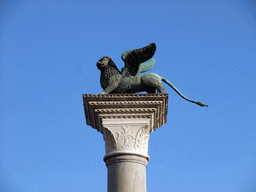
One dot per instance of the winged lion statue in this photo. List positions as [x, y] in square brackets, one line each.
[129, 80]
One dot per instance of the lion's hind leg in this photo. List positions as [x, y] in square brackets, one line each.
[154, 81]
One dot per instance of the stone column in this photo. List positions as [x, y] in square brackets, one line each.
[126, 120]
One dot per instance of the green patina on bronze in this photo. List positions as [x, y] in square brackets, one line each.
[129, 80]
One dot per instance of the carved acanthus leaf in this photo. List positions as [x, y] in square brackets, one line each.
[142, 137]
[110, 140]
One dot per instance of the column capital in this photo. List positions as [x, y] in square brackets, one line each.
[126, 107]
[126, 120]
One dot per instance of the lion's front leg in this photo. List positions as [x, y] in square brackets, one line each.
[110, 88]
[114, 82]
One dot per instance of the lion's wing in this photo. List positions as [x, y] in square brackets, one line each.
[147, 65]
[133, 58]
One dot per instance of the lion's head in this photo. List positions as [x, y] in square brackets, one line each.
[105, 62]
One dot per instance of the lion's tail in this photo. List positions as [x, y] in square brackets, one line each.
[177, 91]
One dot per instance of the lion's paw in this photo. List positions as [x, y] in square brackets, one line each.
[103, 93]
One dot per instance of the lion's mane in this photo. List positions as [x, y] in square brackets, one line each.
[111, 63]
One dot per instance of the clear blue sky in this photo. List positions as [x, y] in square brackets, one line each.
[49, 50]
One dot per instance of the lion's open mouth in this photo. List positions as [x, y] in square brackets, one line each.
[99, 64]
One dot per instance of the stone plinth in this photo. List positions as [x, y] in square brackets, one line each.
[126, 120]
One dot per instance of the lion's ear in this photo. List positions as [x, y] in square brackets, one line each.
[108, 58]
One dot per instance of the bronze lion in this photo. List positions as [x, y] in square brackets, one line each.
[129, 80]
